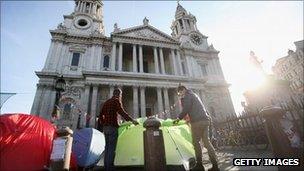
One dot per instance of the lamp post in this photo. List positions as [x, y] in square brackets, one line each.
[59, 87]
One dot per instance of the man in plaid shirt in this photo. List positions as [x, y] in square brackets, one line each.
[108, 118]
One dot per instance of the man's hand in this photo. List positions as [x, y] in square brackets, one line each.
[176, 121]
[135, 122]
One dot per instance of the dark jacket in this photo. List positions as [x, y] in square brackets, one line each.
[110, 110]
[194, 107]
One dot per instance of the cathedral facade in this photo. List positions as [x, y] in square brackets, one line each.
[146, 63]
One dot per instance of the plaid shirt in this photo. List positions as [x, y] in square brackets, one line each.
[108, 114]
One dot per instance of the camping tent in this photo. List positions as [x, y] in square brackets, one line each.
[88, 144]
[25, 142]
[177, 139]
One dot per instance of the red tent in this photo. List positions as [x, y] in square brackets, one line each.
[25, 142]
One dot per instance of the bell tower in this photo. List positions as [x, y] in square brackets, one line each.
[92, 8]
[184, 29]
[86, 19]
[184, 22]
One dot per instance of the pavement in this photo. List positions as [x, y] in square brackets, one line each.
[225, 159]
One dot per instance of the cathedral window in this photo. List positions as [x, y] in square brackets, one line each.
[82, 22]
[176, 29]
[145, 66]
[181, 23]
[75, 59]
[106, 61]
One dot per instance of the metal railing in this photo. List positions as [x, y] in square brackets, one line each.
[248, 129]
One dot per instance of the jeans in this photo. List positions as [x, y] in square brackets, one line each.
[111, 135]
[200, 131]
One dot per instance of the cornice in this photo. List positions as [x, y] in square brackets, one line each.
[149, 76]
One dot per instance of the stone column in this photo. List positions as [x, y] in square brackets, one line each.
[89, 11]
[134, 59]
[92, 58]
[188, 64]
[94, 106]
[78, 6]
[173, 62]
[113, 57]
[111, 91]
[213, 67]
[100, 58]
[86, 98]
[94, 8]
[83, 6]
[159, 100]
[156, 64]
[142, 101]
[120, 57]
[135, 101]
[37, 100]
[141, 61]
[219, 67]
[45, 101]
[183, 21]
[166, 98]
[179, 63]
[50, 55]
[51, 103]
[60, 62]
[162, 62]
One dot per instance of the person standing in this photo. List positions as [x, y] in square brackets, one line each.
[200, 121]
[108, 118]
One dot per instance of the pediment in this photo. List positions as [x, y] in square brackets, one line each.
[145, 32]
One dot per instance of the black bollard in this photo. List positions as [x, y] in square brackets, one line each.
[154, 149]
[281, 145]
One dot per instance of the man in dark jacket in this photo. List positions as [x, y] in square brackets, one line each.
[200, 121]
[108, 118]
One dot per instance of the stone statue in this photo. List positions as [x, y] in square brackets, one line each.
[61, 26]
[146, 21]
[116, 27]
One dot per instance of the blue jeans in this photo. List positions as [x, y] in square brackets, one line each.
[111, 135]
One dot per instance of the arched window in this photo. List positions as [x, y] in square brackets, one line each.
[106, 61]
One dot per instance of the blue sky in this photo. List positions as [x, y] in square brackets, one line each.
[269, 28]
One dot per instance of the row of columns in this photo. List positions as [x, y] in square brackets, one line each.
[92, 9]
[175, 60]
[44, 101]
[162, 100]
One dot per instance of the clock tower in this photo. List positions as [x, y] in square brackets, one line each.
[185, 30]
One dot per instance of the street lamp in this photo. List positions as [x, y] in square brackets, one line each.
[59, 87]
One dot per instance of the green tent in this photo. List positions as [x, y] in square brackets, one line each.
[177, 138]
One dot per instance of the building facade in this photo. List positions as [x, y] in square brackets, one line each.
[291, 67]
[145, 62]
[272, 92]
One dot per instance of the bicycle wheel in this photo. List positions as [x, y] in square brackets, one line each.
[261, 142]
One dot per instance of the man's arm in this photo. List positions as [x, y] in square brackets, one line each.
[124, 114]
